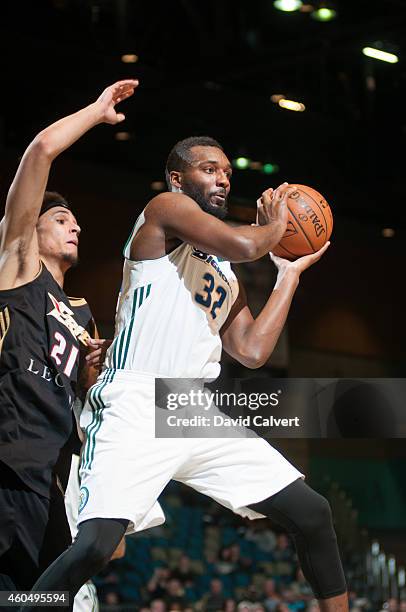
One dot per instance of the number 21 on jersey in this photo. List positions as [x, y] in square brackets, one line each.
[59, 349]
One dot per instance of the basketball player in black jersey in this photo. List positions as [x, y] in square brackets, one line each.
[43, 335]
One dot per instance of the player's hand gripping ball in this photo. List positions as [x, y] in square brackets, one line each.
[310, 223]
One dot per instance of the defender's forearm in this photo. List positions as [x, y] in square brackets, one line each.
[63, 133]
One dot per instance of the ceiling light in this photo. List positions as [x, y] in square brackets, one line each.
[256, 165]
[324, 13]
[129, 58]
[370, 82]
[378, 54]
[122, 136]
[292, 105]
[276, 97]
[288, 6]
[270, 168]
[158, 185]
[242, 163]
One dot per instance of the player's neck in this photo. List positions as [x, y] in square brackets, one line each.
[56, 268]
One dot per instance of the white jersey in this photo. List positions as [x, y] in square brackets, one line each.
[170, 311]
[169, 316]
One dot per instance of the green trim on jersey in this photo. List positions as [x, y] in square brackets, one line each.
[130, 236]
[140, 294]
[119, 357]
[97, 404]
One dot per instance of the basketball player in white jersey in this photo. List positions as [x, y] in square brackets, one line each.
[180, 305]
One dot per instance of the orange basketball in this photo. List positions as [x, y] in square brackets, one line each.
[310, 223]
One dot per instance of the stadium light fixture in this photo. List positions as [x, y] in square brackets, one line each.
[242, 163]
[122, 136]
[324, 13]
[276, 97]
[129, 58]
[270, 168]
[378, 54]
[292, 105]
[288, 6]
[158, 185]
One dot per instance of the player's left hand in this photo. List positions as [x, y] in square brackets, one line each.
[111, 96]
[301, 264]
[97, 348]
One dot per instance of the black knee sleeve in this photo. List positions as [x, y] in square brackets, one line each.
[307, 517]
[96, 541]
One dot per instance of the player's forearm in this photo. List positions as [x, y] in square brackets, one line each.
[59, 136]
[262, 335]
[261, 239]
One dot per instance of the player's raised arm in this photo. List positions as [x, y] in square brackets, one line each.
[19, 259]
[252, 341]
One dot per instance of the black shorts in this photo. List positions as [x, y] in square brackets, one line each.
[33, 530]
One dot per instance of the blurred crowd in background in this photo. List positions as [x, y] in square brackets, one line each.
[206, 559]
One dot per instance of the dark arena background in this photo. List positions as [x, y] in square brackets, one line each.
[225, 68]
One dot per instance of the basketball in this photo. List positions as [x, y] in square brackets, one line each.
[310, 223]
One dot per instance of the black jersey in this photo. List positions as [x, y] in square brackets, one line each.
[41, 335]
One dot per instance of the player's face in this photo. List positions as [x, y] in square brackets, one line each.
[58, 235]
[207, 180]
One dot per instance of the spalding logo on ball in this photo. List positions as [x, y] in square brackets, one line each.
[310, 223]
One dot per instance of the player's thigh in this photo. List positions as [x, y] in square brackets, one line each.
[24, 513]
[23, 525]
[7, 510]
[237, 472]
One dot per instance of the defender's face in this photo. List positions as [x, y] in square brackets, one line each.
[207, 179]
[58, 235]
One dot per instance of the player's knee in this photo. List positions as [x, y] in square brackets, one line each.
[92, 550]
[317, 519]
[97, 555]
[96, 542]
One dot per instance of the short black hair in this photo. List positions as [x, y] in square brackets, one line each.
[51, 199]
[180, 156]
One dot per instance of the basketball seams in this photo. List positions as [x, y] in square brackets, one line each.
[304, 233]
[308, 193]
[280, 246]
[314, 221]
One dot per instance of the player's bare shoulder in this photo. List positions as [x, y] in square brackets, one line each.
[174, 213]
[158, 236]
[167, 204]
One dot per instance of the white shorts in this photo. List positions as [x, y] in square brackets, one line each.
[125, 468]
